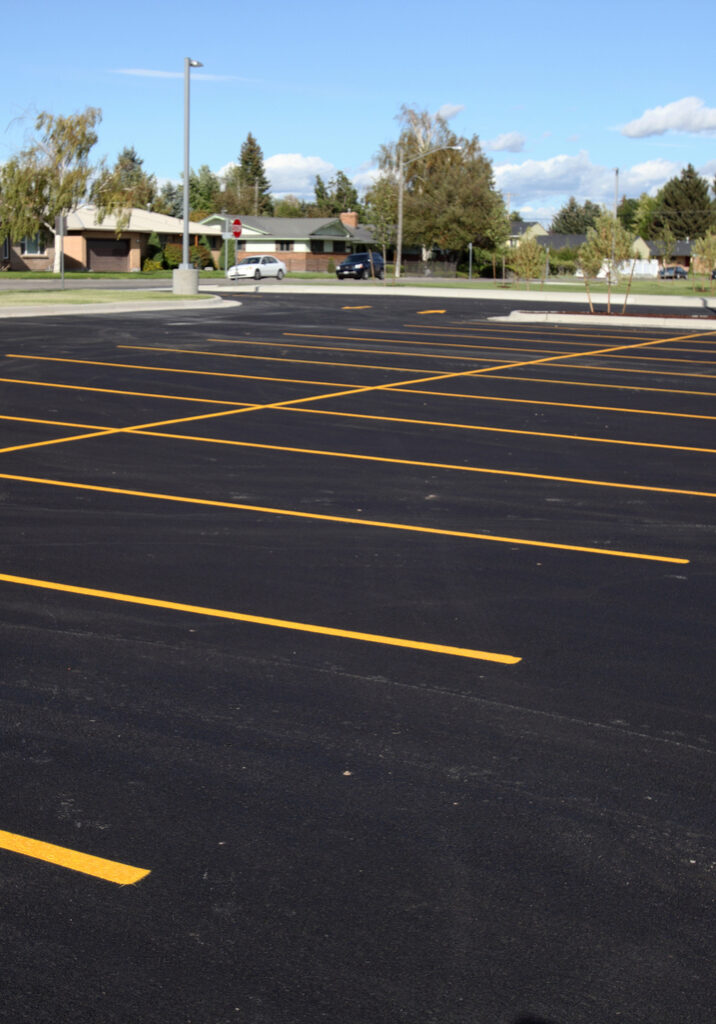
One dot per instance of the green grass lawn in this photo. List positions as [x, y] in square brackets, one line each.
[79, 296]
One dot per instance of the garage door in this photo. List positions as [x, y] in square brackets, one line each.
[108, 254]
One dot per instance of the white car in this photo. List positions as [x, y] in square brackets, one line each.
[257, 267]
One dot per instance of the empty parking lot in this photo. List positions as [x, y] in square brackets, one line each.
[375, 637]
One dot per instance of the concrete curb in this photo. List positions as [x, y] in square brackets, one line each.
[94, 308]
[693, 323]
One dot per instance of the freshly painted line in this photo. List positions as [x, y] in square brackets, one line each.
[172, 369]
[345, 520]
[430, 465]
[594, 384]
[356, 307]
[506, 430]
[261, 620]
[277, 359]
[427, 312]
[52, 423]
[404, 390]
[109, 870]
[57, 440]
[115, 391]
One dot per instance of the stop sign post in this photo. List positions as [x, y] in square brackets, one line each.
[236, 228]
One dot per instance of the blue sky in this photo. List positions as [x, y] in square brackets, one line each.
[560, 94]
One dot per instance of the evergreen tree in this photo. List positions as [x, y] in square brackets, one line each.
[684, 206]
[575, 218]
[169, 200]
[124, 187]
[204, 193]
[254, 186]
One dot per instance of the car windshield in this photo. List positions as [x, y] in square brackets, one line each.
[249, 259]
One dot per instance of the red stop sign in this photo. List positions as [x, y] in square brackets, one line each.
[236, 228]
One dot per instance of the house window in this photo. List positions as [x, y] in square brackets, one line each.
[317, 245]
[33, 245]
[6, 249]
[339, 246]
[284, 246]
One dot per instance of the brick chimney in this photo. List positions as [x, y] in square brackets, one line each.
[349, 219]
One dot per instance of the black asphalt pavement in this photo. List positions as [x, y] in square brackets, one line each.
[379, 637]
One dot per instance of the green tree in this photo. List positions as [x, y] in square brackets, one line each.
[339, 195]
[575, 218]
[705, 250]
[666, 242]
[204, 193]
[381, 211]
[124, 187]
[610, 242]
[626, 212]
[644, 216]
[528, 260]
[50, 177]
[289, 206]
[684, 206]
[246, 185]
[449, 195]
[169, 200]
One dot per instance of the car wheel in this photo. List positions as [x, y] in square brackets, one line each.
[366, 274]
[380, 275]
[279, 275]
[257, 275]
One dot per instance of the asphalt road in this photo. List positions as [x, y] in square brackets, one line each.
[381, 637]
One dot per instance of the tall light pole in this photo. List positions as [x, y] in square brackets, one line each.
[186, 280]
[402, 164]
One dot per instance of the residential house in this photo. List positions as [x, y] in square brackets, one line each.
[303, 243]
[89, 244]
[521, 230]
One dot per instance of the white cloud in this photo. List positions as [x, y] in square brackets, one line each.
[448, 110]
[295, 174]
[647, 177]
[687, 115]
[510, 142]
[151, 73]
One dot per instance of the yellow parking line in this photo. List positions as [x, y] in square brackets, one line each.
[261, 620]
[507, 430]
[115, 391]
[109, 870]
[428, 465]
[346, 520]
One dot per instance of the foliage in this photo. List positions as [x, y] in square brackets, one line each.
[336, 197]
[381, 205]
[289, 206]
[125, 186]
[169, 200]
[154, 246]
[246, 186]
[627, 211]
[575, 219]
[563, 261]
[644, 215]
[608, 242]
[666, 243]
[204, 193]
[151, 265]
[51, 176]
[528, 260]
[200, 256]
[705, 250]
[449, 196]
[684, 207]
[173, 252]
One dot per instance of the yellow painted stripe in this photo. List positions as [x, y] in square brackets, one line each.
[356, 307]
[427, 312]
[277, 359]
[430, 465]
[507, 430]
[405, 390]
[52, 423]
[261, 620]
[115, 391]
[172, 369]
[109, 870]
[346, 520]
[586, 384]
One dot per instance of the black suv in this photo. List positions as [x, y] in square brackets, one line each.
[358, 265]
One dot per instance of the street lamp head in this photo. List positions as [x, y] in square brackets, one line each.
[194, 63]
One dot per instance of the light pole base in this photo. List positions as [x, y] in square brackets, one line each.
[185, 281]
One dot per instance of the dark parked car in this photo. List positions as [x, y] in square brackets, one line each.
[358, 265]
[673, 273]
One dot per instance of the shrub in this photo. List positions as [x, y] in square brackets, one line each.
[330, 267]
[200, 256]
[172, 255]
[150, 265]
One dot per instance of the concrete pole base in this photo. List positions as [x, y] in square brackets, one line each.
[185, 282]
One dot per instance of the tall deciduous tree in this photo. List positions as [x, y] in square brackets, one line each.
[381, 211]
[50, 177]
[575, 218]
[449, 195]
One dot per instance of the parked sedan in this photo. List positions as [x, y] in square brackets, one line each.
[257, 267]
[673, 273]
